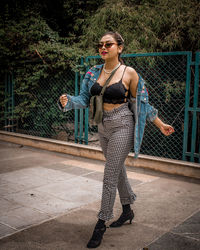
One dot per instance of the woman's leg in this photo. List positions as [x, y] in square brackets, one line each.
[119, 143]
[116, 140]
[127, 197]
[100, 226]
[103, 139]
[125, 191]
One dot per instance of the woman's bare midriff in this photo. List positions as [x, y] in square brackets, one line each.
[110, 106]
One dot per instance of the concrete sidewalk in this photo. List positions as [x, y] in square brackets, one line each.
[50, 201]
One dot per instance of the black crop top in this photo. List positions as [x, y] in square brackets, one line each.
[116, 93]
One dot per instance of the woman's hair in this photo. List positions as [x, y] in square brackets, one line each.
[118, 38]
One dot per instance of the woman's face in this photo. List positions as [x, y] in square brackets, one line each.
[108, 48]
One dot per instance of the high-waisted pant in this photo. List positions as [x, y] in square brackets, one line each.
[116, 134]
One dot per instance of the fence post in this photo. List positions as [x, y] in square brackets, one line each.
[195, 107]
[86, 113]
[5, 104]
[187, 103]
[81, 110]
[13, 101]
[76, 110]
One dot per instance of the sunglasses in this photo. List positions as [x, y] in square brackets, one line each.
[106, 45]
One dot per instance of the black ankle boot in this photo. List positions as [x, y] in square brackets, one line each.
[97, 236]
[123, 218]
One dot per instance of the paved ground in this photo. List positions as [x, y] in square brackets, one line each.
[50, 201]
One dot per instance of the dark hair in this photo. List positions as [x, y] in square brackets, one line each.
[118, 38]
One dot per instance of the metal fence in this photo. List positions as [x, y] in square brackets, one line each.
[167, 76]
[34, 110]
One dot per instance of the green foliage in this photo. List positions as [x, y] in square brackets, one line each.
[44, 115]
[147, 26]
[175, 88]
[34, 52]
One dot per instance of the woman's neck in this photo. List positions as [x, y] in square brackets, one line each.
[109, 65]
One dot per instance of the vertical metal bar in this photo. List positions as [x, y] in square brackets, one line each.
[195, 104]
[76, 110]
[81, 110]
[187, 103]
[86, 114]
[9, 100]
[13, 83]
[199, 152]
[198, 60]
[5, 104]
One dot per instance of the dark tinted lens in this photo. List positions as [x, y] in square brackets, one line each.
[99, 45]
[108, 45]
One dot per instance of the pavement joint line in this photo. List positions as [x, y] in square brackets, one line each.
[54, 196]
[185, 236]
[5, 224]
[139, 176]
[198, 210]
[151, 226]
[17, 157]
[44, 192]
[82, 174]
[145, 182]
[128, 177]
[4, 197]
[71, 178]
[154, 240]
[89, 174]
[38, 210]
[24, 206]
[169, 231]
[44, 221]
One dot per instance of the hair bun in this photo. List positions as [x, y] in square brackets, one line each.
[119, 36]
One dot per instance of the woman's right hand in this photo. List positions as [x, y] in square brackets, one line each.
[63, 100]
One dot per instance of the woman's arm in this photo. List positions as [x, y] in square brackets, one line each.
[63, 100]
[68, 102]
[164, 128]
[134, 78]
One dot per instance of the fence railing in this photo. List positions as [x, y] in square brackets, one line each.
[172, 79]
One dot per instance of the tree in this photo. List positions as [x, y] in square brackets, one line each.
[147, 26]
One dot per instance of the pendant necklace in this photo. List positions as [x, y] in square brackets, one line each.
[109, 72]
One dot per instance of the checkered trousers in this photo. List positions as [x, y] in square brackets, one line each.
[116, 135]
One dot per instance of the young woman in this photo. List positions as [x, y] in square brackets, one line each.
[118, 131]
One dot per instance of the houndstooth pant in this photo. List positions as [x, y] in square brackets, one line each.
[116, 135]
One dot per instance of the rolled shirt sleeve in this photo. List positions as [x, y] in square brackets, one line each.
[80, 101]
[152, 113]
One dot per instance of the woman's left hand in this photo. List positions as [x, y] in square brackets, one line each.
[167, 129]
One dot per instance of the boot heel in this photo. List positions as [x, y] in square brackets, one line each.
[122, 219]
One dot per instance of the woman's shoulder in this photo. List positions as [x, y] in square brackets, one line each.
[131, 72]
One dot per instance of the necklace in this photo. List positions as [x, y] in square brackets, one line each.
[109, 72]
